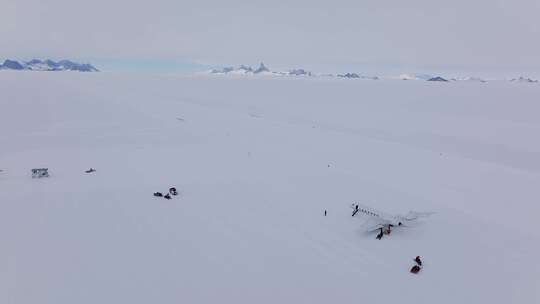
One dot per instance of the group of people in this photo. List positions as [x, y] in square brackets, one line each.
[416, 268]
[172, 191]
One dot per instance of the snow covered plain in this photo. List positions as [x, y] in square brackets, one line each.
[257, 161]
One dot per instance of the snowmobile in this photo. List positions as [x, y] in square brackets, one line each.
[416, 269]
[40, 172]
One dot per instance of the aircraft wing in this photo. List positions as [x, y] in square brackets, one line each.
[372, 227]
[373, 223]
[413, 215]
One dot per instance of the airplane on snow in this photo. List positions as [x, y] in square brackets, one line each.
[384, 222]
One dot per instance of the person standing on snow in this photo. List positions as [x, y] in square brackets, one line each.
[355, 210]
[380, 235]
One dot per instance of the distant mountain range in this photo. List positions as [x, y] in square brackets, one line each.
[261, 70]
[264, 70]
[523, 79]
[47, 65]
[355, 75]
[245, 70]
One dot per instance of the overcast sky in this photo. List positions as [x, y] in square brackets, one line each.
[423, 33]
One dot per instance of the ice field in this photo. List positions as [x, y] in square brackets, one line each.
[257, 161]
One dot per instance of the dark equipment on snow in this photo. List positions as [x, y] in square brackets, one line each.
[418, 261]
[172, 191]
[416, 269]
[167, 196]
[90, 170]
[158, 194]
[41, 172]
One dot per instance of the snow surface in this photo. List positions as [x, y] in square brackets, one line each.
[256, 162]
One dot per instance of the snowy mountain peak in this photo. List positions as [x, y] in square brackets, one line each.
[437, 78]
[34, 61]
[11, 65]
[245, 68]
[50, 63]
[262, 68]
